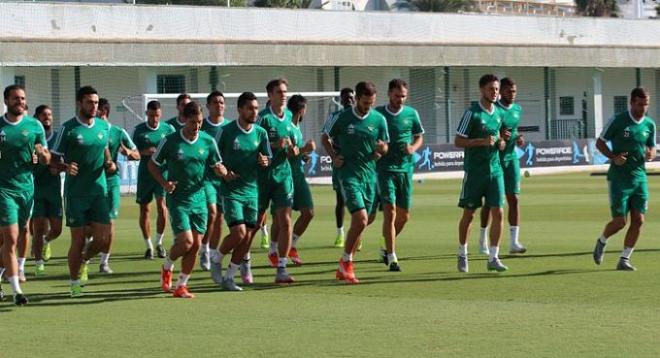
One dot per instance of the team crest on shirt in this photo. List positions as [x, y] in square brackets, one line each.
[162, 135]
[626, 132]
[179, 154]
[237, 144]
[79, 139]
[3, 136]
[350, 129]
[25, 133]
[371, 128]
[100, 135]
[201, 151]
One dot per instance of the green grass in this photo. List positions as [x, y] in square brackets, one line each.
[553, 302]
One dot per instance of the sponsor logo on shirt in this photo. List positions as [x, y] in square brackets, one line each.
[237, 144]
[350, 129]
[626, 132]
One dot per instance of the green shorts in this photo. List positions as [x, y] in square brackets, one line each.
[396, 188]
[48, 204]
[211, 193]
[147, 188]
[188, 215]
[359, 194]
[82, 210]
[114, 200]
[15, 207]
[275, 189]
[633, 195]
[478, 186]
[240, 211]
[511, 170]
[302, 195]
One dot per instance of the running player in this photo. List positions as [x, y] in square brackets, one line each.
[118, 142]
[187, 154]
[215, 104]
[21, 137]
[178, 121]
[247, 151]
[347, 100]
[82, 145]
[632, 135]
[478, 133]
[361, 136]
[511, 112]
[47, 211]
[395, 169]
[146, 137]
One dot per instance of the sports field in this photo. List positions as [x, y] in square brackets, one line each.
[553, 302]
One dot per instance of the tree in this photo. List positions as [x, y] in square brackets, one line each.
[289, 4]
[238, 3]
[444, 5]
[597, 8]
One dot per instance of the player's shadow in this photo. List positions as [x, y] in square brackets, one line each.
[570, 254]
[94, 297]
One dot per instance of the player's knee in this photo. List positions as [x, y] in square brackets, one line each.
[144, 209]
[636, 220]
[55, 230]
[360, 221]
[512, 200]
[308, 214]
[619, 222]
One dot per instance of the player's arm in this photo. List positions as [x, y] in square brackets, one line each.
[601, 143]
[43, 154]
[58, 161]
[309, 147]
[418, 135]
[461, 139]
[154, 165]
[109, 164]
[128, 148]
[383, 139]
[265, 153]
[215, 160]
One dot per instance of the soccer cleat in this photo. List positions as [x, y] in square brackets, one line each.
[46, 251]
[20, 300]
[105, 268]
[246, 272]
[39, 270]
[283, 277]
[265, 240]
[76, 290]
[625, 265]
[496, 265]
[295, 258]
[182, 292]
[345, 272]
[216, 272]
[160, 251]
[383, 257]
[394, 267]
[339, 241]
[149, 254]
[84, 274]
[21, 276]
[272, 257]
[599, 252]
[204, 261]
[517, 249]
[228, 284]
[165, 280]
[463, 265]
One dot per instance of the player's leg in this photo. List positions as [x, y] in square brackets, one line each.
[236, 243]
[495, 200]
[619, 194]
[39, 234]
[15, 216]
[340, 209]
[274, 238]
[22, 252]
[638, 206]
[512, 190]
[464, 226]
[355, 195]
[285, 230]
[473, 189]
[387, 188]
[114, 202]
[302, 202]
[211, 202]
[161, 223]
[183, 241]
[483, 232]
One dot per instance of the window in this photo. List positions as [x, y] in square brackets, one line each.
[171, 83]
[566, 106]
[620, 104]
[19, 80]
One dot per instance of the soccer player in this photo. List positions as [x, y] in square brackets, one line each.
[187, 154]
[276, 183]
[82, 146]
[146, 137]
[478, 133]
[361, 137]
[21, 137]
[302, 196]
[118, 142]
[347, 100]
[247, 151]
[215, 104]
[632, 136]
[178, 121]
[47, 211]
[511, 114]
[395, 169]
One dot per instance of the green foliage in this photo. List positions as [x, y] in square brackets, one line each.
[444, 5]
[597, 8]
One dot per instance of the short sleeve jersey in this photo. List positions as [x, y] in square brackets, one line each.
[277, 128]
[213, 129]
[297, 166]
[174, 122]
[239, 148]
[628, 135]
[402, 127]
[477, 122]
[186, 162]
[17, 143]
[146, 137]
[44, 181]
[85, 145]
[118, 136]
[357, 137]
[510, 120]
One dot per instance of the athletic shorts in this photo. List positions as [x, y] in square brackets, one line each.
[511, 170]
[82, 210]
[302, 195]
[15, 207]
[626, 196]
[211, 193]
[114, 200]
[48, 204]
[477, 187]
[395, 188]
[239, 211]
[187, 215]
[275, 189]
[147, 189]
[359, 194]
